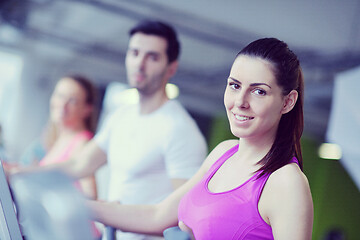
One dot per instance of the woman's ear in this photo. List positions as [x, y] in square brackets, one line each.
[290, 101]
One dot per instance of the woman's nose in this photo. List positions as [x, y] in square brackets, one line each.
[242, 100]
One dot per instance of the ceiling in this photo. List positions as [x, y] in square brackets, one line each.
[91, 36]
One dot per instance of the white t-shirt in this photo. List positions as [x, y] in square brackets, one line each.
[145, 152]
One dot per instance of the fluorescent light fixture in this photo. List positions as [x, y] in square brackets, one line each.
[172, 90]
[330, 151]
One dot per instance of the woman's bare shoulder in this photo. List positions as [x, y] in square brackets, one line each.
[287, 200]
[288, 175]
[290, 183]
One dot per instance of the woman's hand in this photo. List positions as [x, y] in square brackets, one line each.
[10, 168]
[186, 229]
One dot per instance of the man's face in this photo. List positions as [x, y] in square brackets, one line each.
[147, 63]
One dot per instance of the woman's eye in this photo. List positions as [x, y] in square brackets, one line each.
[133, 52]
[73, 101]
[234, 85]
[260, 92]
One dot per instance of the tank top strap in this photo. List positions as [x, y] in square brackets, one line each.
[78, 137]
[294, 160]
[86, 134]
[260, 184]
[223, 158]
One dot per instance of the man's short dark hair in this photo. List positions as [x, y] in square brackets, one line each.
[160, 29]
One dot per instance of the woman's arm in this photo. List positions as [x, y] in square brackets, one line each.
[151, 219]
[84, 164]
[287, 204]
[147, 219]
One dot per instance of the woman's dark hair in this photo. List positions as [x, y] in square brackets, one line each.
[162, 30]
[288, 73]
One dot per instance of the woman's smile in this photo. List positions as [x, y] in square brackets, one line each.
[242, 117]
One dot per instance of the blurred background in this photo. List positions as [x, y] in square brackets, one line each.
[42, 40]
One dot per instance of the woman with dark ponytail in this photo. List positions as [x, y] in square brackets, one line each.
[288, 73]
[252, 187]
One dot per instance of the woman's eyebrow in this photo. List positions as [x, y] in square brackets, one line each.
[235, 80]
[259, 84]
[252, 84]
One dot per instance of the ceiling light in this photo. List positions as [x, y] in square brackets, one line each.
[330, 151]
[172, 91]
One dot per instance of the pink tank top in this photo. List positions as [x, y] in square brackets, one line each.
[227, 215]
[65, 155]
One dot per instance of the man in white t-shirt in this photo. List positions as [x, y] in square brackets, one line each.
[154, 146]
[158, 149]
